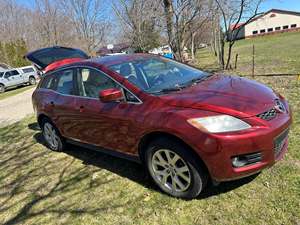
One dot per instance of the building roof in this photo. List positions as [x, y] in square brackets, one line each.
[236, 26]
[277, 11]
[233, 26]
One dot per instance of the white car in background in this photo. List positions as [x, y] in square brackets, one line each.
[17, 77]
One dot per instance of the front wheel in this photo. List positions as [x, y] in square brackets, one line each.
[174, 169]
[32, 81]
[2, 88]
[52, 137]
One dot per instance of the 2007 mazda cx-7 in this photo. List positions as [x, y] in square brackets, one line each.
[186, 126]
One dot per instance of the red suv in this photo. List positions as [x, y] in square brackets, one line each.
[186, 126]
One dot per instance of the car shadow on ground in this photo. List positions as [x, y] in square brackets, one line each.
[132, 170]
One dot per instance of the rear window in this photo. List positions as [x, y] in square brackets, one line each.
[28, 70]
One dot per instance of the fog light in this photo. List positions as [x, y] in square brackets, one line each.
[238, 161]
[244, 160]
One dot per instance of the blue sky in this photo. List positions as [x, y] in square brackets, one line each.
[293, 5]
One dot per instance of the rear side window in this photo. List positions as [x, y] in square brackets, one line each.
[49, 82]
[1, 74]
[28, 70]
[65, 83]
[14, 72]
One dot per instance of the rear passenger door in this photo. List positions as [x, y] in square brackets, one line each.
[64, 103]
[16, 77]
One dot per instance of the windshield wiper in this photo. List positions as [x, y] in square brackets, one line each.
[167, 90]
[196, 80]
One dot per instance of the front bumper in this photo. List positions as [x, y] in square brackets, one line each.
[218, 150]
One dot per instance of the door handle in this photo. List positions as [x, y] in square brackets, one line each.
[81, 108]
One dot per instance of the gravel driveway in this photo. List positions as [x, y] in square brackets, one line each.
[15, 108]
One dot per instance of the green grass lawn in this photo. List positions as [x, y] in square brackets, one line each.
[14, 91]
[273, 54]
[80, 186]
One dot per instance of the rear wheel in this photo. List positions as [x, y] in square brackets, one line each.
[32, 81]
[174, 169]
[2, 88]
[52, 137]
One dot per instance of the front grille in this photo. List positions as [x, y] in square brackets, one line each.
[279, 142]
[268, 115]
[272, 113]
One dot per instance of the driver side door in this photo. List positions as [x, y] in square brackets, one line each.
[9, 79]
[108, 124]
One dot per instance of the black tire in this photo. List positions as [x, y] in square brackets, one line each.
[2, 88]
[32, 81]
[60, 146]
[197, 174]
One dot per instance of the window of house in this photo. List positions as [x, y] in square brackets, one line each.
[270, 29]
[65, 83]
[285, 27]
[255, 32]
[277, 28]
[262, 31]
[293, 25]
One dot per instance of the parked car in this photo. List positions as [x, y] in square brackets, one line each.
[17, 77]
[186, 126]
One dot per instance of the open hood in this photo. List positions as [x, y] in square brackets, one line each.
[44, 57]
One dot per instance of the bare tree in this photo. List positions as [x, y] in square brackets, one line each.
[140, 21]
[88, 20]
[231, 14]
[183, 19]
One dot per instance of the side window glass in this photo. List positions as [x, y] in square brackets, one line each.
[49, 82]
[14, 72]
[65, 82]
[91, 82]
[7, 75]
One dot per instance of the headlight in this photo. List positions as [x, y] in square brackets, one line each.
[218, 124]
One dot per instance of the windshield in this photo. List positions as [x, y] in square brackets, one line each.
[157, 75]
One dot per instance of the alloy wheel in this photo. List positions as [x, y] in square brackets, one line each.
[170, 171]
[32, 81]
[51, 136]
[2, 89]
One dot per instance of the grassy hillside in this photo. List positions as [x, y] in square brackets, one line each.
[278, 53]
[79, 186]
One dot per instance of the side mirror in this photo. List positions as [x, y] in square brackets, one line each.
[111, 95]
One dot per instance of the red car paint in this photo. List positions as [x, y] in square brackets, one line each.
[122, 127]
[62, 62]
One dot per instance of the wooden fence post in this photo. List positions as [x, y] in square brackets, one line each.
[253, 61]
[236, 59]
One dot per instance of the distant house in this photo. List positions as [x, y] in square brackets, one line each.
[115, 49]
[272, 22]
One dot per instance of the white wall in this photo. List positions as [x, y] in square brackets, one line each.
[267, 21]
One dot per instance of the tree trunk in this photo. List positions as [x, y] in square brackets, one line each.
[168, 8]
